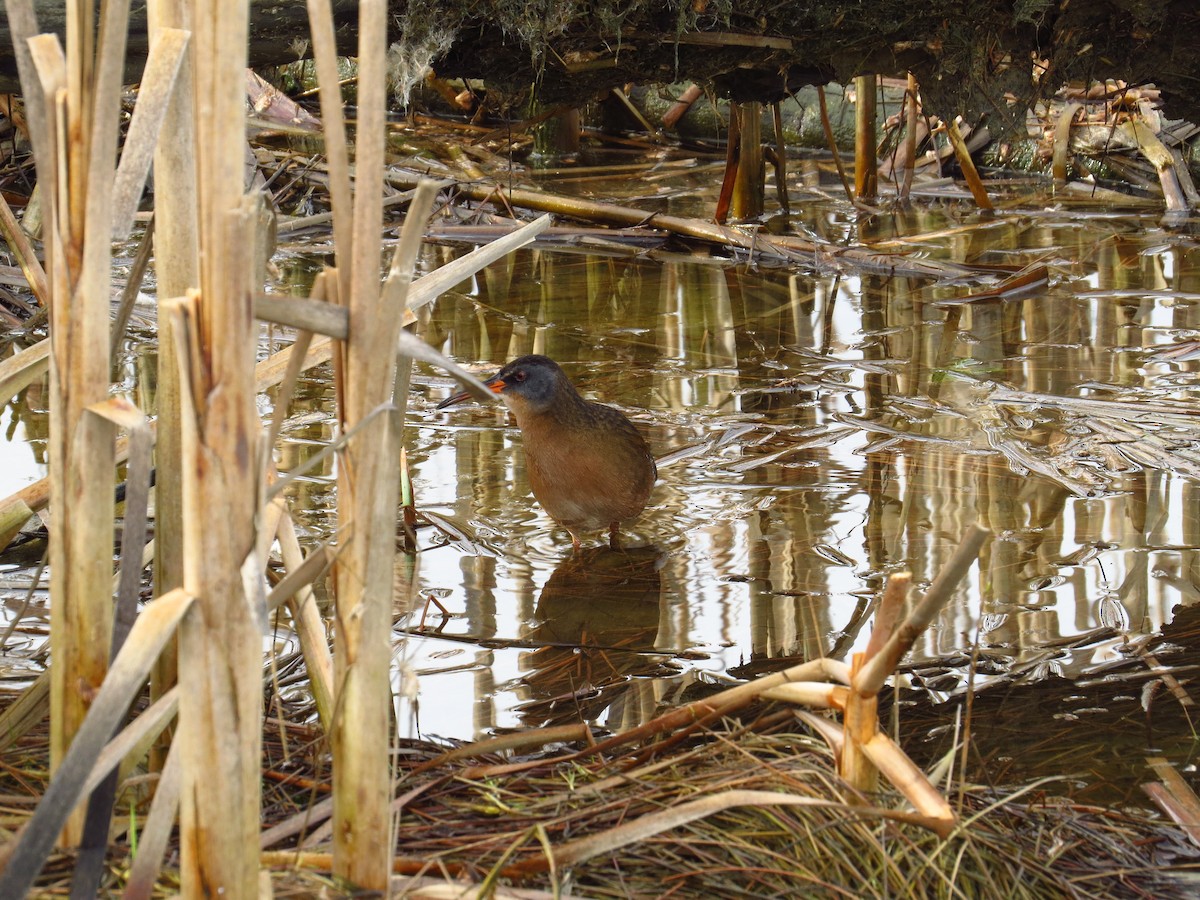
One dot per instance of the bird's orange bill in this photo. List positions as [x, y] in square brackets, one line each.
[493, 384]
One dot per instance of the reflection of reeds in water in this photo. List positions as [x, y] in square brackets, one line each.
[945, 441]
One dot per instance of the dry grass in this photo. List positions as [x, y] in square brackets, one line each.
[475, 823]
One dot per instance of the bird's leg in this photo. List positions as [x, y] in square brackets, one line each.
[614, 539]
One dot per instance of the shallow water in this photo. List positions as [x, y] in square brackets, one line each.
[822, 428]
[841, 426]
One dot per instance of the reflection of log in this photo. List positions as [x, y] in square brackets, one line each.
[797, 42]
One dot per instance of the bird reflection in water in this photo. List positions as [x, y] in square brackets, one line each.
[598, 618]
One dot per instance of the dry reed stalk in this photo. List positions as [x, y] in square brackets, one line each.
[133, 284]
[305, 315]
[154, 98]
[831, 140]
[777, 246]
[1175, 797]
[220, 652]
[310, 628]
[860, 724]
[27, 259]
[267, 373]
[891, 605]
[909, 780]
[156, 832]
[129, 670]
[912, 111]
[368, 485]
[780, 161]
[177, 269]
[78, 100]
[970, 173]
[1161, 158]
[822, 695]
[23, 368]
[1062, 141]
[125, 743]
[699, 711]
[337, 154]
[23, 25]
[26, 711]
[749, 183]
[101, 787]
[428, 288]
[861, 720]
[367, 496]
[879, 667]
[13, 516]
[866, 165]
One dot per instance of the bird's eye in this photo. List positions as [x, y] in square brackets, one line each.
[519, 376]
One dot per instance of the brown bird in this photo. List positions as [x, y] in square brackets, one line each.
[588, 465]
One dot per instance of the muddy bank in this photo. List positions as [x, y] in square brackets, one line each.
[967, 53]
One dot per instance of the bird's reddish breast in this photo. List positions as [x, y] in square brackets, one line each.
[590, 470]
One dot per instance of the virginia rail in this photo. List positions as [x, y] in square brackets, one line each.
[588, 465]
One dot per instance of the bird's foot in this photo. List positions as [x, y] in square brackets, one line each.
[614, 537]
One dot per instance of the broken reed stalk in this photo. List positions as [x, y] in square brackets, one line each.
[127, 676]
[780, 160]
[176, 269]
[831, 140]
[310, 627]
[912, 111]
[749, 182]
[861, 722]
[970, 173]
[220, 641]
[117, 413]
[672, 116]
[1061, 154]
[77, 96]
[866, 176]
[155, 96]
[31, 363]
[27, 259]
[777, 246]
[368, 484]
[879, 667]
[1160, 157]
[337, 153]
[732, 149]
[863, 749]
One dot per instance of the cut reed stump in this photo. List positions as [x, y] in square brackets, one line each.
[749, 191]
[866, 178]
